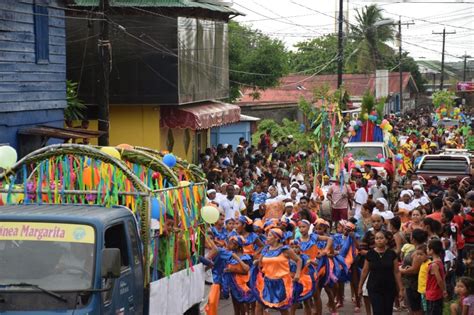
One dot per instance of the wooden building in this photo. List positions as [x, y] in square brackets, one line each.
[32, 69]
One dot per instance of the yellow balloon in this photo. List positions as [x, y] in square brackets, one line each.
[111, 151]
[210, 214]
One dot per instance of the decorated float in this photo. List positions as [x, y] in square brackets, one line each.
[155, 186]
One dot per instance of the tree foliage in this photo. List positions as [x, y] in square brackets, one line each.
[315, 55]
[372, 37]
[252, 52]
[75, 109]
[301, 138]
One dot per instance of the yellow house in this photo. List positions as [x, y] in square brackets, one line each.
[182, 130]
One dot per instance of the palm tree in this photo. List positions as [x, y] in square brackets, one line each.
[371, 34]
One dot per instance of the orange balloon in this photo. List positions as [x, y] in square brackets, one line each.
[125, 146]
[87, 177]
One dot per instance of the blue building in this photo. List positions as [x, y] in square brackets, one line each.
[32, 70]
[231, 133]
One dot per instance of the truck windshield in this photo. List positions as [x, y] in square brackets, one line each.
[365, 153]
[57, 257]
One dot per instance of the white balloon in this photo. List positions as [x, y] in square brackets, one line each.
[8, 156]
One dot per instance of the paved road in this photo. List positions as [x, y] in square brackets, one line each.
[225, 306]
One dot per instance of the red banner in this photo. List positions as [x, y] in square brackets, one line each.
[465, 87]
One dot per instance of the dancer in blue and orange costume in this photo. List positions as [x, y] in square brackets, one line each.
[338, 240]
[345, 254]
[236, 277]
[325, 267]
[230, 270]
[306, 245]
[219, 232]
[250, 239]
[271, 280]
[304, 288]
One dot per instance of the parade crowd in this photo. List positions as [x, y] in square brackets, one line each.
[286, 236]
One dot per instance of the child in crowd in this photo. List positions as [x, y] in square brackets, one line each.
[421, 251]
[435, 283]
[465, 291]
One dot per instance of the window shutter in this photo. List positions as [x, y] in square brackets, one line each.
[41, 33]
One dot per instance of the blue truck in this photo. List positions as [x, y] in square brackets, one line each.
[71, 259]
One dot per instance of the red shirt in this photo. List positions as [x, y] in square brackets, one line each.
[433, 290]
[435, 216]
[469, 234]
[459, 221]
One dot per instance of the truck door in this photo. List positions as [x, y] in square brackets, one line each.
[121, 299]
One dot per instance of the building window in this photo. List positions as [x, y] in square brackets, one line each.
[41, 31]
[170, 141]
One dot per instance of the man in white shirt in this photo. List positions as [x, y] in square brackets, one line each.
[232, 205]
[360, 197]
[378, 190]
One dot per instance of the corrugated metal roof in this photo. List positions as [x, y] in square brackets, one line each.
[214, 6]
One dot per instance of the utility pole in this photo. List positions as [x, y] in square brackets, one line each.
[105, 65]
[444, 33]
[465, 67]
[434, 83]
[400, 55]
[340, 48]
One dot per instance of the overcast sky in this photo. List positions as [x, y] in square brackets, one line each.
[297, 20]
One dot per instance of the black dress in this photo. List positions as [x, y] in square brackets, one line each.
[381, 284]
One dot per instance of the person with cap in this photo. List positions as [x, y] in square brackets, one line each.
[381, 208]
[404, 206]
[435, 188]
[211, 196]
[289, 211]
[419, 200]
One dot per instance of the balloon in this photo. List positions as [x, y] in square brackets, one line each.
[365, 116]
[353, 133]
[349, 155]
[87, 177]
[8, 156]
[156, 211]
[379, 156]
[360, 123]
[385, 121]
[111, 151]
[352, 123]
[356, 127]
[345, 139]
[351, 128]
[169, 160]
[382, 160]
[389, 128]
[125, 146]
[184, 183]
[210, 214]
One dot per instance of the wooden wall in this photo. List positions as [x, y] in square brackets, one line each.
[31, 91]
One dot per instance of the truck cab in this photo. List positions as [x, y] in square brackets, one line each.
[70, 259]
[368, 151]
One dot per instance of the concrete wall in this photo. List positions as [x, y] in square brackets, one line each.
[135, 125]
